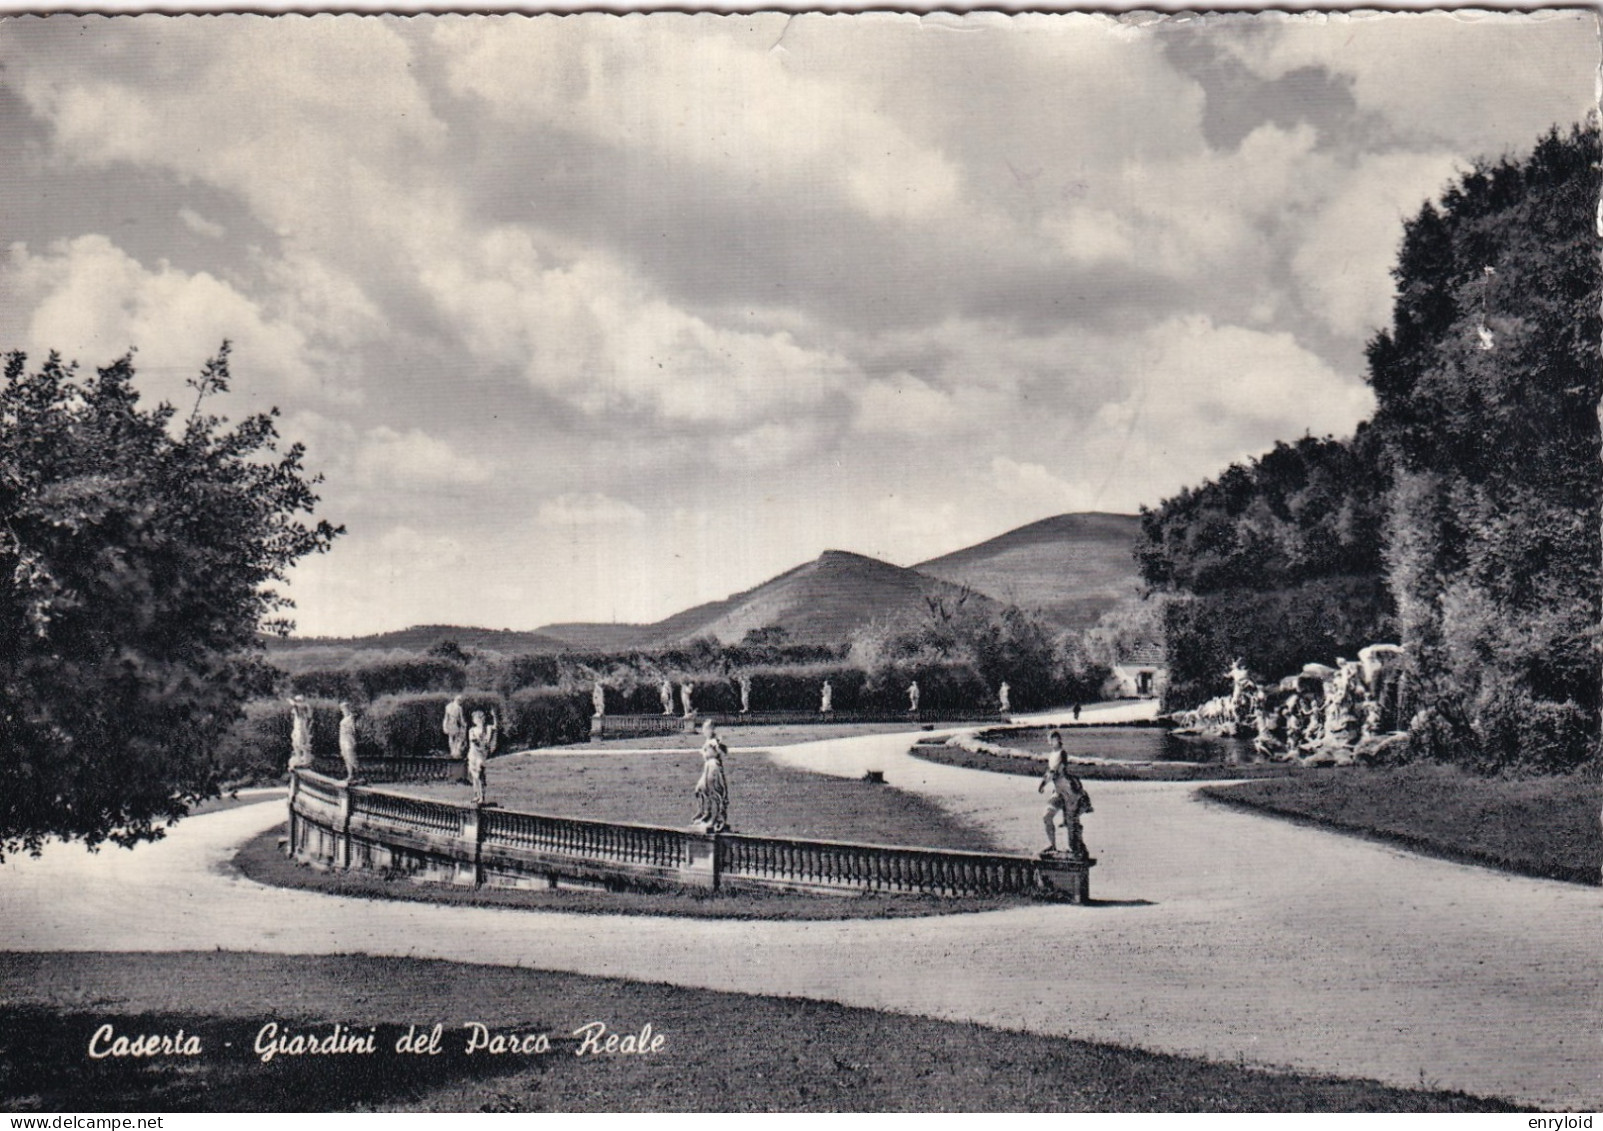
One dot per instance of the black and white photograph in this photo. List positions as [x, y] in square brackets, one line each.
[801, 562]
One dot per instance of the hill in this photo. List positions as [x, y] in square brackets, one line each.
[819, 602]
[422, 637]
[1071, 567]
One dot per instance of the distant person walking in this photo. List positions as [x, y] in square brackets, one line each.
[300, 733]
[348, 741]
[456, 728]
[481, 744]
[1069, 800]
[1076, 712]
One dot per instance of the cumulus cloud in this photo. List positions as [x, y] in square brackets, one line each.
[91, 300]
[591, 509]
[412, 458]
[881, 283]
[1471, 79]
[201, 226]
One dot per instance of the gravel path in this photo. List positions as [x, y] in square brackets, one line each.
[1217, 933]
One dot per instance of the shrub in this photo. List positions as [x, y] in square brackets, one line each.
[421, 673]
[326, 683]
[256, 748]
[412, 725]
[547, 716]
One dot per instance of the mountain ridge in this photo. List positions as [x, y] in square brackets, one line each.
[1069, 568]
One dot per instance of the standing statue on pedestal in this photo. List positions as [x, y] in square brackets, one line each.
[1069, 800]
[481, 744]
[912, 698]
[1004, 698]
[712, 788]
[745, 694]
[456, 728]
[598, 698]
[665, 693]
[685, 690]
[348, 741]
[826, 699]
[300, 733]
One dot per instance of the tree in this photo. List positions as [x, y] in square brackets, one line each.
[138, 554]
[1486, 386]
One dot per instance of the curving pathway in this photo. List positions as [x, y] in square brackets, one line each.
[1220, 934]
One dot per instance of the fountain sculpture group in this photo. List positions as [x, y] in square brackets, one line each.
[1322, 715]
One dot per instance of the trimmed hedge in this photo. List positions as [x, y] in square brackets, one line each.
[367, 682]
[257, 746]
[413, 725]
[546, 716]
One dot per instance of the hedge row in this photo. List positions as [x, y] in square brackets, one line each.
[258, 746]
[368, 682]
[800, 688]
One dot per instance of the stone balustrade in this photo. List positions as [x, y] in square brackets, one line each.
[333, 825]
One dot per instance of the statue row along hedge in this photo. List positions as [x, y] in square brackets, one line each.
[506, 675]
[799, 687]
[792, 687]
[395, 726]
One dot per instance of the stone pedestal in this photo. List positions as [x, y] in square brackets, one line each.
[1067, 877]
[701, 855]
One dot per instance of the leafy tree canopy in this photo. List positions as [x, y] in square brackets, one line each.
[1300, 512]
[1487, 386]
[138, 554]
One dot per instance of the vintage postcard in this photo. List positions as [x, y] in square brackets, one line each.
[836, 562]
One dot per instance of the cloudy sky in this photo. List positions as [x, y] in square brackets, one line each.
[596, 318]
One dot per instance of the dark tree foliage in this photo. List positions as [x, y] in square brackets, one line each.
[1299, 512]
[1493, 541]
[137, 555]
[1274, 634]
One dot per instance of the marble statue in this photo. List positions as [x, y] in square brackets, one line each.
[482, 738]
[1069, 801]
[348, 740]
[826, 698]
[685, 691]
[1004, 698]
[665, 693]
[300, 733]
[456, 728]
[745, 694]
[598, 698]
[712, 788]
[912, 697]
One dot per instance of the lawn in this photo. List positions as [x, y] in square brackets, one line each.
[1536, 826]
[655, 788]
[720, 1051]
[1026, 766]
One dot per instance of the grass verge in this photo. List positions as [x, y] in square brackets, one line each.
[1033, 767]
[1538, 826]
[721, 1051]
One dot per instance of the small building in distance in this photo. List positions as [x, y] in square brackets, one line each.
[1140, 673]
